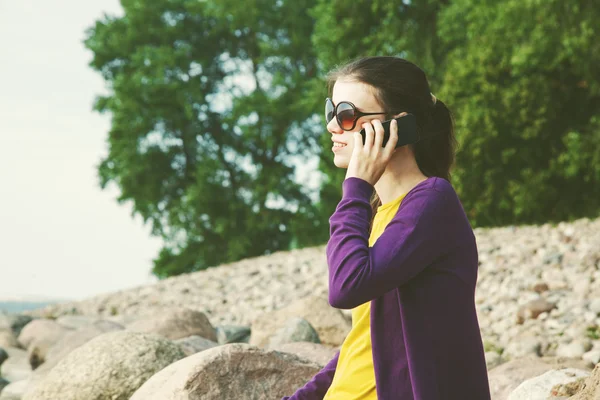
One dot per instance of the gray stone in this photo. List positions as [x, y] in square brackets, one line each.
[110, 366]
[295, 330]
[194, 344]
[233, 334]
[230, 371]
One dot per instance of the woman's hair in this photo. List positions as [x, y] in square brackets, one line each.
[401, 86]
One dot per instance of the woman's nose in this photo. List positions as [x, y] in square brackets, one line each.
[333, 127]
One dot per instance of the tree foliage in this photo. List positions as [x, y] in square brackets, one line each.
[207, 111]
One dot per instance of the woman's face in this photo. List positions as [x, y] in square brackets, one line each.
[361, 95]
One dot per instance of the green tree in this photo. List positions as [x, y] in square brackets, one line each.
[207, 108]
[523, 79]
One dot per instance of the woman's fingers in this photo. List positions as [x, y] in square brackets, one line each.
[379, 132]
[390, 146]
[369, 136]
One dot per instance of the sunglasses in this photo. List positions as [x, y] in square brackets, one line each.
[345, 113]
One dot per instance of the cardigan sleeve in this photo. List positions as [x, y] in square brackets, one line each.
[317, 387]
[418, 234]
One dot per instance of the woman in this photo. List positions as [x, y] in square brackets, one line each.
[402, 254]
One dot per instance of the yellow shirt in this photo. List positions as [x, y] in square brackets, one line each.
[354, 377]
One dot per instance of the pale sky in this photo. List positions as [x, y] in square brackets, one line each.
[61, 236]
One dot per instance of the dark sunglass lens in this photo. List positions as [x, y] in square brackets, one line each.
[329, 108]
[345, 116]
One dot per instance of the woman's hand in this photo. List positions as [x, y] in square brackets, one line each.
[368, 161]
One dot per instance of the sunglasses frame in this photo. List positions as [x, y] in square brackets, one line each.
[357, 113]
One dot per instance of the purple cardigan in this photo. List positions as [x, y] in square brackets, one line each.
[420, 277]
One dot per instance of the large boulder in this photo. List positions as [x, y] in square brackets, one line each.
[591, 389]
[73, 340]
[14, 390]
[16, 367]
[506, 377]
[77, 321]
[541, 387]
[176, 323]
[230, 371]
[8, 339]
[330, 324]
[43, 330]
[111, 366]
[317, 353]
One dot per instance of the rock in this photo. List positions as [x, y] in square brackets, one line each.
[591, 387]
[3, 357]
[540, 287]
[194, 344]
[492, 359]
[8, 339]
[330, 324]
[176, 323]
[14, 390]
[575, 349]
[75, 339]
[506, 377]
[16, 367]
[317, 353]
[295, 330]
[592, 356]
[110, 366]
[533, 309]
[594, 306]
[13, 322]
[3, 383]
[523, 347]
[540, 387]
[76, 321]
[230, 371]
[233, 334]
[41, 330]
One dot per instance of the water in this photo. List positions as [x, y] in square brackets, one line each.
[19, 306]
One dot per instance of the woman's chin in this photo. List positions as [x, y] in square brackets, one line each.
[340, 161]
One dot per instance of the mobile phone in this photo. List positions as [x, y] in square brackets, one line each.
[407, 130]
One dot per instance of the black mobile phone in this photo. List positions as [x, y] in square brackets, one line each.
[407, 130]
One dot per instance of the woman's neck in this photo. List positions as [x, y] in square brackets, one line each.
[401, 175]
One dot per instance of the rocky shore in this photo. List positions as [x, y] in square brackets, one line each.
[260, 328]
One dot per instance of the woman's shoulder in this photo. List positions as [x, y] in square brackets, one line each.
[438, 187]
